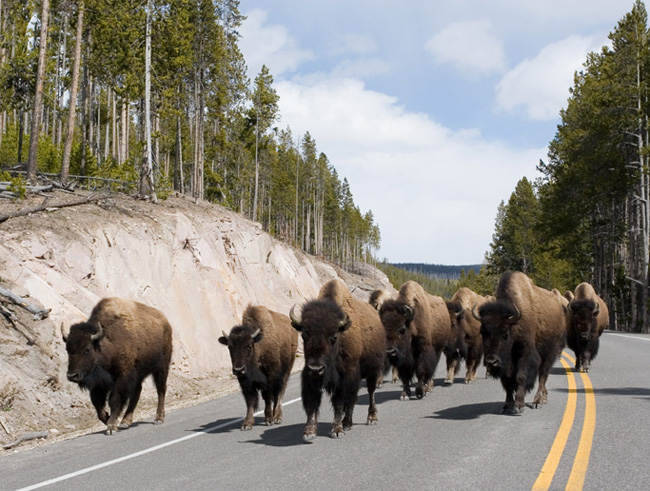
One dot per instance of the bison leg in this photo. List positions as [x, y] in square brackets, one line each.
[373, 419]
[452, 368]
[277, 401]
[268, 407]
[160, 379]
[133, 402]
[311, 399]
[116, 401]
[472, 365]
[252, 399]
[98, 398]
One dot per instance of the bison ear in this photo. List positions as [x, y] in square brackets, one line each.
[223, 339]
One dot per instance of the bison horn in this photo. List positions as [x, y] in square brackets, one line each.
[294, 320]
[475, 313]
[256, 333]
[99, 334]
[64, 334]
[408, 313]
[345, 322]
[596, 309]
[517, 316]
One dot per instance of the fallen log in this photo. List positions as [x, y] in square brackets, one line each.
[39, 314]
[6, 186]
[26, 437]
[51, 206]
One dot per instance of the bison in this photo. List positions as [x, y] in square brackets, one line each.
[523, 331]
[110, 354]
[416, 331]
[466, 333]
[262, 351]
[588, 317]
[343, 342]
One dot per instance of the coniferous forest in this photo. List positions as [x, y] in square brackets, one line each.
[586, 218]
[153, 94]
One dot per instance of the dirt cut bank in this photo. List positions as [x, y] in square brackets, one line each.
[200, 264]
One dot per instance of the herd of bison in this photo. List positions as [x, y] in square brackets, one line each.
[518, 334]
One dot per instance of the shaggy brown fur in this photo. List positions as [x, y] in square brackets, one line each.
[523, 332]
[114, 351]
[588, 317]
[344, 342]
[468, 329]
[262, 351]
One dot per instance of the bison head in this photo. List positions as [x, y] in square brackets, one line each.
[241, 344]
[321, 323]
[497, 321]
[83, 345]
[584, 318]
[396, 318]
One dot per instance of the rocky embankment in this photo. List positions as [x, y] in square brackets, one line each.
[198, 263]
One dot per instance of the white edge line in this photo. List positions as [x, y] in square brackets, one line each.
[627, 336]
[80, 472]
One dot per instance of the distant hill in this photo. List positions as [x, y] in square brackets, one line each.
[438, 270]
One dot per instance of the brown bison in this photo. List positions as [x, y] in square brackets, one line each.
[523, 332]
[262, 351]
[466, 333]
[343, 342]
[588, 317]
[416, 333]
[114, 351]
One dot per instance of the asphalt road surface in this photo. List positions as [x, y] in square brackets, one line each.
[593, 434]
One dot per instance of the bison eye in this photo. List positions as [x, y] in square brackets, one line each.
[402, 330]
[333, 340]
[87, 351]
[504, 335]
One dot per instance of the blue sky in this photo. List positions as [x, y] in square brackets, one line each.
[433, 110]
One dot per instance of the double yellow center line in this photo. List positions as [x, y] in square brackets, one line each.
[581, 462]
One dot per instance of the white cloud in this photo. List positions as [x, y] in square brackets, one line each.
[269, 45]
[426, 185]
[540, 85]
[472, 46]
[352, 44]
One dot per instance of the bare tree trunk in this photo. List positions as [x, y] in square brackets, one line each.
[146, 176]
[38, 95]
[72, 112]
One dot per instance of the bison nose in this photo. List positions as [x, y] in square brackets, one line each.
[316, 369]
[584, 335]
[492, 361]
[239, 371]
[74, 376]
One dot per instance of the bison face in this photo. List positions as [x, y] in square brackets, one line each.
[241, 344]
[396, 318]
[321, 324]
[497, 321]
[83, 347]
[584, 319]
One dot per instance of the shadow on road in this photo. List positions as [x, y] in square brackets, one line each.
[289, 435]
[469, 411]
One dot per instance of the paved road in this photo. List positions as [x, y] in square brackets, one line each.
[456, 438]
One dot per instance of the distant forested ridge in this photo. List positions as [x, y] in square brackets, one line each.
[438, 270]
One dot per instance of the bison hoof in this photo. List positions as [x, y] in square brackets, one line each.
[277, 421]
[372, 420]
[404, 397]
[111, 429]
[308, 436]
[158, 421]
[337, 433]
[419, 393]
[123, 425]
[246, 427]
[448, 381]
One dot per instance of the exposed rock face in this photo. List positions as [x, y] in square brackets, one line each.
[200, 264]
